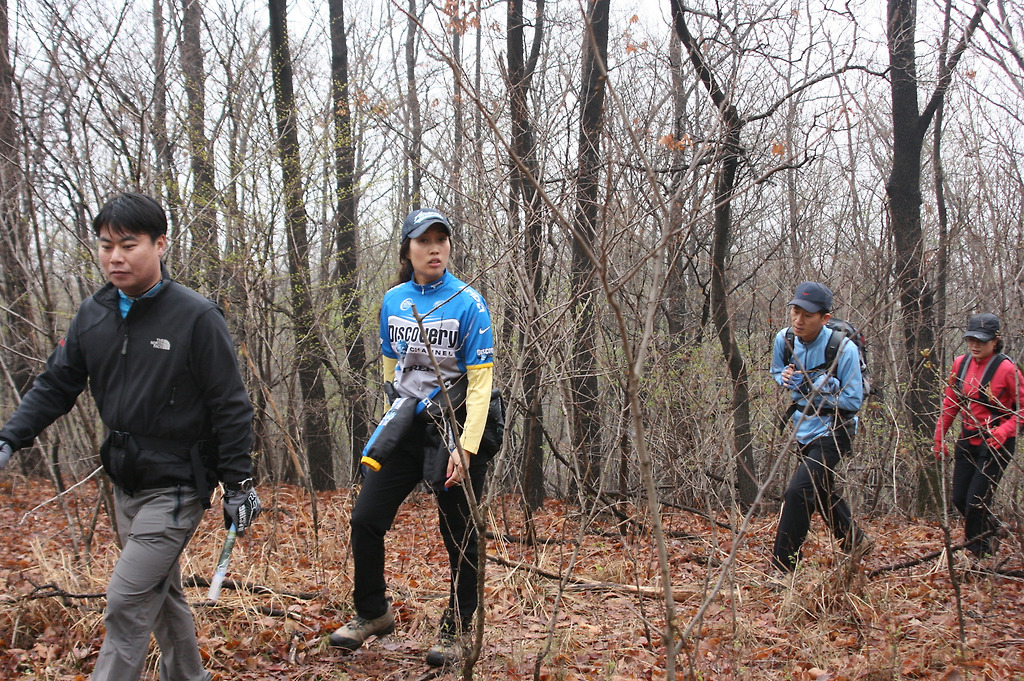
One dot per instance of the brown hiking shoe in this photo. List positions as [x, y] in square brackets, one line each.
[862, 548]
[352, 635]
[447, 652]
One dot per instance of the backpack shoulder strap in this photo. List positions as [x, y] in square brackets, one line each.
[990, 370]
[984, 394]
[832, 348]
[961, 375]
[985, 390]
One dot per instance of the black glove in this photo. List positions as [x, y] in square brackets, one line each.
[5, 452]
[241, 506]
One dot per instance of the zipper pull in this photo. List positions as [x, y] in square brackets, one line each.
[124, 346]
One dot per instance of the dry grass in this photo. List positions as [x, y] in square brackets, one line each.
[832, 623]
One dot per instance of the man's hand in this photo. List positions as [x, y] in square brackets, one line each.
[994, 444]
[939, 450]
[791, 378]
[241, 506]
[6, 450]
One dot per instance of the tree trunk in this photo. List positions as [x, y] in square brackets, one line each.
[204, 273]
[16, 335]
[414, 143]
[525, 172]
[675, 288]
[165, 170]
[586, 415]
[903, 190]
[942, 262]
[725, 186]
[346, 274]
[460, 258]
[310, 355]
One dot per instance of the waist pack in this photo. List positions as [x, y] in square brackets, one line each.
[406, 412]
[137, 462]
[401, 415]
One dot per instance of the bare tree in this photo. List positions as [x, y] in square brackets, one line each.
[205, 272]
[309, 351]
[586, 417]
[725, 187]
[165, 170]
[16, 340]
[414, 141]
[346, 273]
[526, 199]
[903, 189]
[942, 261]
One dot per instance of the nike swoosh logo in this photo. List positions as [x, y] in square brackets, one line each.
[485, 330]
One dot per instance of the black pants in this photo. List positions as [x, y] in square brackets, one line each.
[813, 487]
[977, 470]
[374, 513]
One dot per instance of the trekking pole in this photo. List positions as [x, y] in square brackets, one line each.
[222, 565]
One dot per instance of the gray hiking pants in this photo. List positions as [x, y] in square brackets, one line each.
[144, 595]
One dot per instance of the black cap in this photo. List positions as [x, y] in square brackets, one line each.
[813, 297]
[984, 327]
[419, 221]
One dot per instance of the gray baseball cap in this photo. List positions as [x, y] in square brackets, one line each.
[419, 221]
[984, 327]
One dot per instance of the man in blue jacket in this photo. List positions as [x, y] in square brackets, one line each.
[161, 367]
[826, 396]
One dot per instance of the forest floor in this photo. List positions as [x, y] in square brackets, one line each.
[834, 621]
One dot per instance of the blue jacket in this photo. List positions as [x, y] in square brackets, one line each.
[843, 391]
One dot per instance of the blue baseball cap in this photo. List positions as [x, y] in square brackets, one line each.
[419, 221]
[813, 297]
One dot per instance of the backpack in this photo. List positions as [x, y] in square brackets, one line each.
[494, 430]
[984, 390]
[840, 329]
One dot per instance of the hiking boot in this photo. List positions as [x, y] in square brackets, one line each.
[447, 652]
[778, 581]
[971, 567]
[999, 532]
[352, 635]
[860, 547]
[863, 547]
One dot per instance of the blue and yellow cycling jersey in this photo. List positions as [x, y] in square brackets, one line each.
[458, 328]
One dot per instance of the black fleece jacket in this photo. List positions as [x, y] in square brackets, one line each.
[166, 371]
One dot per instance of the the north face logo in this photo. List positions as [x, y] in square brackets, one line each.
[161, 343]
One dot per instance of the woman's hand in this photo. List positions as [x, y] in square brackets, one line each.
[456, 471]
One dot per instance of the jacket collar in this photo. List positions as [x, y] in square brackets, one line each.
[108, 294]
[432, 286]
[820, 339]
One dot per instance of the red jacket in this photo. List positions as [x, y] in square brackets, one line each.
[1006, 390]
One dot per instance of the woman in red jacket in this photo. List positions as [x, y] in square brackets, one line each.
[988, 390]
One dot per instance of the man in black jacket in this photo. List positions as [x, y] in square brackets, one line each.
[161, 366]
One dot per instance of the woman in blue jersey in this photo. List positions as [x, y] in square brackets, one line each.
[458, 331]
